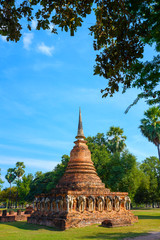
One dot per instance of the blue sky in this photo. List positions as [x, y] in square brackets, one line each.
[44, 79]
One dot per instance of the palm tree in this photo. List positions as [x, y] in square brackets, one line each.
[115, 139]
[19, 173]
[10, 176]
[150, 126]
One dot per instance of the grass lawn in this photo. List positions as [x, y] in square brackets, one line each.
[149, 220]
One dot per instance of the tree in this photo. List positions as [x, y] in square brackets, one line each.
[60, 169]
[123, 172]
[24, 187]
[113, 142]
[8, 196]
[96, 141]
[121, 30]
[151, 168]
[117, 168]
[1, 182]
[99, 154]
[10, 176]
[142, 193]
[44, 183]
[19, 171]
[38, 174]
[150, 126]
[116, 139]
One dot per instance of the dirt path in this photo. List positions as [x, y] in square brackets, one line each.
[149, 236]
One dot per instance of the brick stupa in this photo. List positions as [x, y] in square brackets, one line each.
[80, 198]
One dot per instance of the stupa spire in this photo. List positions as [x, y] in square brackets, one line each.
[80, 134]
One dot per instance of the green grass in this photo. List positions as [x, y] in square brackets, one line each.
[149, 220]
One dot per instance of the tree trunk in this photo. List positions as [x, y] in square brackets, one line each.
[16, 199]
[9, 202]
[17, 195]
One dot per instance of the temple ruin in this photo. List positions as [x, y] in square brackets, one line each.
[80, 198]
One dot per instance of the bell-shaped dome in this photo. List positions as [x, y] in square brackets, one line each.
[80, 173]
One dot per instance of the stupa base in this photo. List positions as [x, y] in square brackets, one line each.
[72, 220]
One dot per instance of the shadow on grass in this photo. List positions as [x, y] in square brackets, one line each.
[148, 209]
[32, 227]
[113, 236]
[148, 217]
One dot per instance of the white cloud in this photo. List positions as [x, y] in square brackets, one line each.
[51, 26]
[27, 40]
[39, 164]
[45, 49]
[4, 38]
[34, 24]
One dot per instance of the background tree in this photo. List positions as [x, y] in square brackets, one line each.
[38, 174]
[151, 169]
[99, 154]
[123, 172]
[10, 176]
[142, 193]
[44, 183]
[121, 30]
[115, 139]
[117, 168]
[113, 142]
[96, 141]
[19, 171]
[1, 182]
[150, 126]
[24, 187]
[6, 198]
